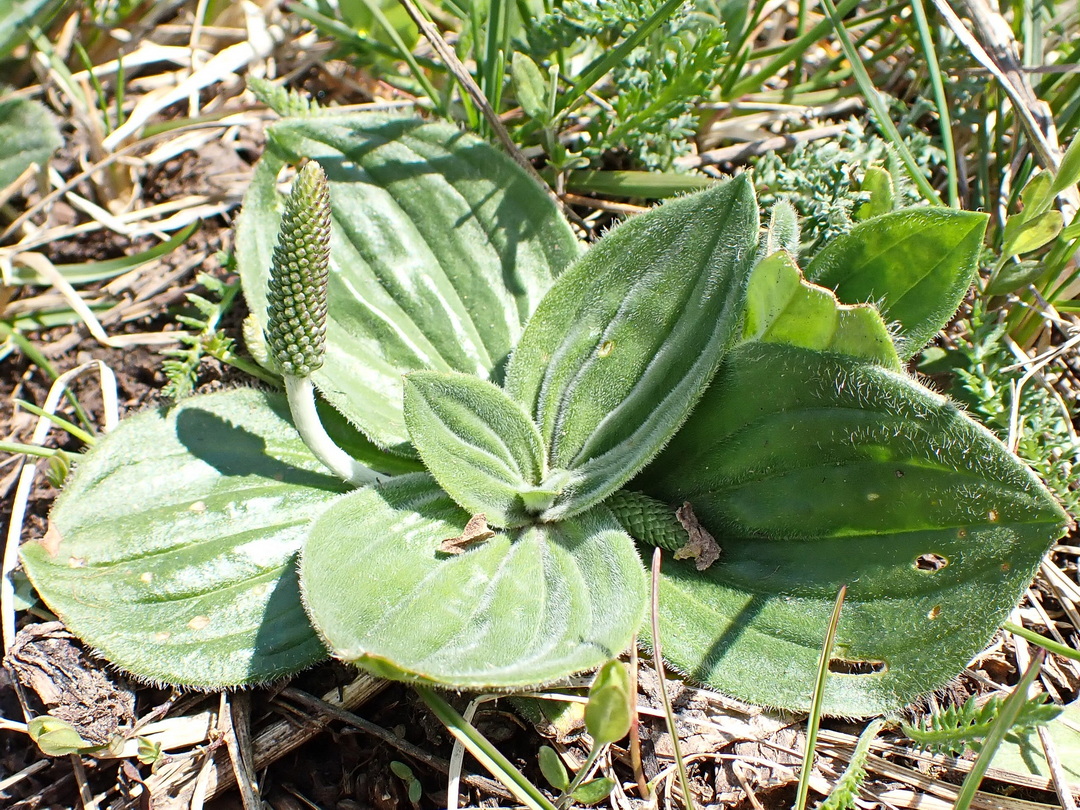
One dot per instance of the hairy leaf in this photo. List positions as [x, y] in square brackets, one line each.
[781, 307]
[29, 135]
[625, 342]
[915, 264]
[479, 444]
[528, 606]
[173, 548]
[441, 249]
[844, 472]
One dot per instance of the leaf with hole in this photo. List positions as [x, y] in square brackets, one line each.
[847, 472]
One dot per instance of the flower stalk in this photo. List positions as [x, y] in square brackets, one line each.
[296, 314]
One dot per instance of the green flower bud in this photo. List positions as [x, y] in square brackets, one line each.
[296, 308]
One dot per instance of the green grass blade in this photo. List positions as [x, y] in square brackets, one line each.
[1047, 644]
[786, 56]
[813, 722]
[615, 56]
[873, 98]
[933, 70]
[60, 422]
[1010, 710]
[86, 272]
[485, 753]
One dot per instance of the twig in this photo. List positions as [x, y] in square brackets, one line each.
[744, 151]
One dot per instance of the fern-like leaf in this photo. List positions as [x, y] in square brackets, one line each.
[285, 102]
[955, 729]
[845, 793]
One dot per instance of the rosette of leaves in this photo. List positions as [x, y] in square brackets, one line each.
[674, 362]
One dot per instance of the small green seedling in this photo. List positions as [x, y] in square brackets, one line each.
[607, 719]
[412, 784]
[508, 420]
[58, 738]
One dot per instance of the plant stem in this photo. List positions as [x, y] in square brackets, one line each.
[813, 722]
[940, 99]
[1010, 710]
[873, 98]
[658, 662]
[1042, 641]
[301, 393]
[600, 68]
[485, 753]
[28, 449]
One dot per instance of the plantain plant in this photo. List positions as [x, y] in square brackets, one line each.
[493, 420]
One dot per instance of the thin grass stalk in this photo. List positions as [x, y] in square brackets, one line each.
[926, 39]
[35, 356]
[755, 80]
[873, 98]
[485, 753]
[16, 448]
[496, 43]
[72, 429]
[404, 52]
[658, 662]
[741, 52]
[1010, 710]
[1042, 641]
[813, 722]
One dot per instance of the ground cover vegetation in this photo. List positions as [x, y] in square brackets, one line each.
[483, 345]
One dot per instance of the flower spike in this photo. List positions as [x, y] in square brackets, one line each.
[296, 313]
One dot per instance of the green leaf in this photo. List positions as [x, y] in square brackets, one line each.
[879, 184]
[57, 738]
[1068, 172]
[530, 88]
[844, 472]
[782, 307]
[479, 444]
[783, 232]
[609, 710]
[915, 264]
[1014, 275]
[551, 766]
[17, 17]
[524, 607]
[172, 550]
[442, 248]
[1032, 233]
[594, 791]
[1037, 195]
[625, 342]
[29, 135]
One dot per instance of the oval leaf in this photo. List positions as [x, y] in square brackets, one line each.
[845, 473]
[29, 135]
[625, 342]
[173, 548]
[526, 607]
[915, 265]
[610, 709]
[479, 444]
[441, 249]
